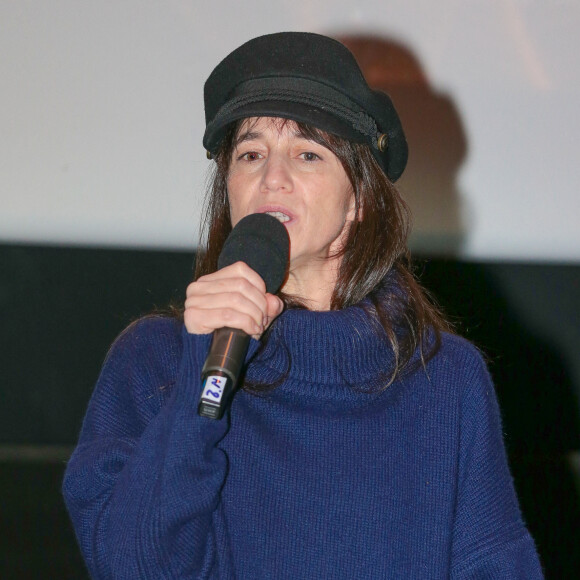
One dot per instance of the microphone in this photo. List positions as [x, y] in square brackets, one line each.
[262, 242]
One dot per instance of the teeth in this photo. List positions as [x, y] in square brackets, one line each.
[282, 217]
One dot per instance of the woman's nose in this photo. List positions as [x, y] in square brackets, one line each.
[277, 174]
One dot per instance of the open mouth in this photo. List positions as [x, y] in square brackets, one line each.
[281, 217]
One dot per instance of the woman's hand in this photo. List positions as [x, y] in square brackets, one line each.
[234, 296]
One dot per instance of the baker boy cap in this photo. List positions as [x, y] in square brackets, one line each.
[307, 78]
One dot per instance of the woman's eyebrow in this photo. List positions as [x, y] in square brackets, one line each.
[252, 135]
[302, 137]
[247, 136]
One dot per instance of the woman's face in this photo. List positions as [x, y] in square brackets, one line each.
[275, 170]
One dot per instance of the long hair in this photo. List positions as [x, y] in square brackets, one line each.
[375, 261]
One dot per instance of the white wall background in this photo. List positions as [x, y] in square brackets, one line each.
[101, 116]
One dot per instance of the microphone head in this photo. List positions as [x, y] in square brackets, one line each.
[262, 242]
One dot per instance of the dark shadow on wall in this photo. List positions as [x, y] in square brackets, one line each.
[437, 144]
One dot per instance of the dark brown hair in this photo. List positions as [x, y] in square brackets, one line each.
[375, 259]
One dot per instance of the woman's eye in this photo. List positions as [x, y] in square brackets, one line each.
[309, 156]
[250, 156]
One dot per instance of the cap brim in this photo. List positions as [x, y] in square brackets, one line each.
[319, 118]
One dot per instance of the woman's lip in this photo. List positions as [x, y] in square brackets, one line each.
[277, 209]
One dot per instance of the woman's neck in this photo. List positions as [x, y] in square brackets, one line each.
[313, 284]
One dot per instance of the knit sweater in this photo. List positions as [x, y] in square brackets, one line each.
[328, 475]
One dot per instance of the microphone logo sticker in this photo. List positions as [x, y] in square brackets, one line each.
[213, 389]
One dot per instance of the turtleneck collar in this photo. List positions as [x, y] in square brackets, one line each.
[326, 348]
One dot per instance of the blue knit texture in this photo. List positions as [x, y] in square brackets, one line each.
[325, 476]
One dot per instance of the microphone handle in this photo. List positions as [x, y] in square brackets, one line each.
[221, 371]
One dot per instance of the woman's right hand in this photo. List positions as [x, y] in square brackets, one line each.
[235, 297]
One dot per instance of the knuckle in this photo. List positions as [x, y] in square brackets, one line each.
[192, 323]
[227, 314]
[191, 314]
[196, 288]
[241, 286]
[237, 298]
[241, 267]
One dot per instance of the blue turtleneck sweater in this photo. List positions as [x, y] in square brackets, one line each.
[325, 476]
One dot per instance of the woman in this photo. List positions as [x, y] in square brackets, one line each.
[366, 441]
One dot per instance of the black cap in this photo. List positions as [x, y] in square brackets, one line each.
[308, 78]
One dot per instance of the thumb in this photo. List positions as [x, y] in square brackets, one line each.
[274, 307]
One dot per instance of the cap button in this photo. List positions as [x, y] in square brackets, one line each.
[383, 142]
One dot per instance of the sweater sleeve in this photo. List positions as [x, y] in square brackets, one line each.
[490, 539]
[143, 485]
